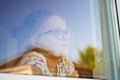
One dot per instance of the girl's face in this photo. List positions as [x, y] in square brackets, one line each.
[55, 36]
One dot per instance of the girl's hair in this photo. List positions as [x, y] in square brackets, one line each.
[31, 27]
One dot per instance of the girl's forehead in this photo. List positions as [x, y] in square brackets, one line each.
[54, 22]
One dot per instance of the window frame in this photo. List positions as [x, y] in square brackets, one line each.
[110, 36]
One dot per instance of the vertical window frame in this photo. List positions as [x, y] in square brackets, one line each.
[110, 36]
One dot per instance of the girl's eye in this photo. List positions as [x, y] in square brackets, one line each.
[58, 33]
[67, 35]
[64, 35]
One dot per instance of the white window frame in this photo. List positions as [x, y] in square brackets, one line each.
[111, 45]
[110, 36]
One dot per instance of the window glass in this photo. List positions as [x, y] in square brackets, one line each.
[51, 38]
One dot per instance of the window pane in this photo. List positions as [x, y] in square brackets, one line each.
[51, 38]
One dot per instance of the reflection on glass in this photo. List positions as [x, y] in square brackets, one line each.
[51, 38]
